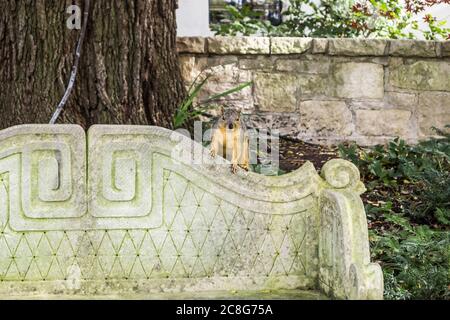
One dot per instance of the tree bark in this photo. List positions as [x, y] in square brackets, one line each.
[128, 73]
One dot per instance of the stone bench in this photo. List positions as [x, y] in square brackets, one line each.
[112, 213]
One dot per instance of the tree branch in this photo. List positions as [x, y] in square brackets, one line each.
[73, 75]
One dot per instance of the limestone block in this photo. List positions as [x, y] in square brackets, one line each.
[421, 75]
[285, 123]
[433, 111]
[191, 44]
[392, 100]
[319, 45]
[214, 61]
[276, 92]
[188, 68]
[445, 48]
[325, 118]
[191, 67]
[357, 47]
[412, 48]
[287, 45]
[391, 122]
[304, 66]
[226, 77]
[401, 100]
[359, 80]
[313, 85]
[261, 64]
[239, 45]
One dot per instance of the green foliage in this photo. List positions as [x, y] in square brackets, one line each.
[408, 208]
[383, 164]
[434, 195]
[186, 110]
[328, 19]
[243, 22]
[418, 176]
[415, 260]
[338, 18]
[189, 110]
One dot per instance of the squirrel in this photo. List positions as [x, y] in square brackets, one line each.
[230, 139]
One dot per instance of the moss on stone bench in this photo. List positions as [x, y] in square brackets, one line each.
[130, 211]
[215, 295]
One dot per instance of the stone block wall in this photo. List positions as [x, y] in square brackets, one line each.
[328, 90]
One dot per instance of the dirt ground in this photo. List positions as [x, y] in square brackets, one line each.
[294, 153]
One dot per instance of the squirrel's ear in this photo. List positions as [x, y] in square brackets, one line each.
[222, 110]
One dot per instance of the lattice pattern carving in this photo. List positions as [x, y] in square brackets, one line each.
[123, 211]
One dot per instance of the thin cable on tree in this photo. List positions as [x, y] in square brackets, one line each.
[73, 75]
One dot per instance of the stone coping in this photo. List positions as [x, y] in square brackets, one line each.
[330, 46]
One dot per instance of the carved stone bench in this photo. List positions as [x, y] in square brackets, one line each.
[114, 213]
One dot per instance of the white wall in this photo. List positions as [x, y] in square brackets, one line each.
[193, 18]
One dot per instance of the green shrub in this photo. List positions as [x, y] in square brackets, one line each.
[243, 22]
[415, 180]
[339, 18]
[408, 209]
[434, 194]
[415, 260]
[189, 110]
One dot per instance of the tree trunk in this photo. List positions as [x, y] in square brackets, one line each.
[128, 73]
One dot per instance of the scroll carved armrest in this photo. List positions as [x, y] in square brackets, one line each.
[345, 268]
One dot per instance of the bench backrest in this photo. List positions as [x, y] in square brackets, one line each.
[127, 209]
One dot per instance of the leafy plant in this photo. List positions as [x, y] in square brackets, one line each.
[408, 208]
[340, 18]
[186, 110]
[415, 259]
[418, 176]
[189, 110]
[242, 22]
[434, 194]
